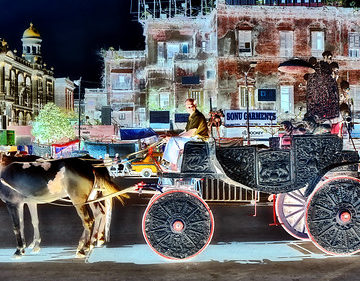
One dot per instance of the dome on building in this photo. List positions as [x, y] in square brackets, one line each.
[31, 32]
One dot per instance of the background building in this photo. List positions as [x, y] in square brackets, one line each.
[95, 100]
[124, 82]
[64, 93]
[26, 85]
[219, 56]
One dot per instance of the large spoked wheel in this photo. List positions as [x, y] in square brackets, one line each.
[333, 216]
[290, 210]
[178, 224]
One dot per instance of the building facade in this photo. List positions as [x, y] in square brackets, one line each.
[270, 35]
[124, 81]
[225, 54]
[26, 85]
[64, 93]
[94, 101]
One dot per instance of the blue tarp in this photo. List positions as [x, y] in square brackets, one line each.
[135, 134]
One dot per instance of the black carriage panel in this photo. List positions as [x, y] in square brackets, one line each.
[315, 155]
[274, 171]
[238, 163]
[348, 156]
[196, 158]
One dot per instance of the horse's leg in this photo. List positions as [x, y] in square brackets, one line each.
[87, 219]
[101, 216]
[95, 208]
[35, 244]
[16, 212]
[108, 213]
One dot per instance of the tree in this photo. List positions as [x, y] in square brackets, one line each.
[52, 125]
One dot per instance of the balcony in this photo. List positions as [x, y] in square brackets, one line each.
[307, 3]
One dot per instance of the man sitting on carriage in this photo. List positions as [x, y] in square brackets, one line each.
[196, 129]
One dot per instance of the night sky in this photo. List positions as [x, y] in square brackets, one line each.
[73, 32]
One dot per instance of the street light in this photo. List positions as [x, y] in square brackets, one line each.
[78, 83]
[252, 65]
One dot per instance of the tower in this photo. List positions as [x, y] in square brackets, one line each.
[32, 45]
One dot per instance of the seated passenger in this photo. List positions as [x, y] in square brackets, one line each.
[196, 128]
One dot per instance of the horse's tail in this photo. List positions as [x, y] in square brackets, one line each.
[104, 182]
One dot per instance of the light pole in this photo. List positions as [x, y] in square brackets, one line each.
[252, 65]
[78, 83]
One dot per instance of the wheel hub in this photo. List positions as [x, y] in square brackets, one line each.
[345, 217]
[177, 226]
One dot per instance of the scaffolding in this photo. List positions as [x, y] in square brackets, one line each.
[163, 9]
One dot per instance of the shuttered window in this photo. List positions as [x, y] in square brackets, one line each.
[286, 43]
[355, 95]
[354, 44]
[317, 43]
[161, 53]
[286, 99]
[245, 46]
[198, 96]
[242, 92]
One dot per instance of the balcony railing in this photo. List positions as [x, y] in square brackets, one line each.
[308, 3]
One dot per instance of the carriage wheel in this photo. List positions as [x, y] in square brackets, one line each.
[333, 216]
[178, 224]
[290, 210]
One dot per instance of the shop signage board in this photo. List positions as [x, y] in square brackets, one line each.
[256, 117]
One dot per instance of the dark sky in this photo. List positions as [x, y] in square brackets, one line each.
[73, 32]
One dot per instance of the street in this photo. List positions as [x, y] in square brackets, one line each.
[244, 247]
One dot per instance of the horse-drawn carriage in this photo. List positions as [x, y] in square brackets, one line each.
[317, 182]
[319, 193]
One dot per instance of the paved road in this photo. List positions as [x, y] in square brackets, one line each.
[244, 247]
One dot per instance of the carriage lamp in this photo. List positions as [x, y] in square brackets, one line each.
[296, 66]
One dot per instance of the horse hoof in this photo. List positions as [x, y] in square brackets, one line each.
[100, 243]
[19, 253]
[80, 254]
[36, 249]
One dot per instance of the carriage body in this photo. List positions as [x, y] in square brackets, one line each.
[313, 166]
[276, 170]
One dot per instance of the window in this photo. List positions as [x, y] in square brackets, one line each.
[172, 49]
[122, 116]
[161, 54]
[286, 43]
[210, 74]
[286, 99]
[164, 100]
[121, 81]
[245, 43]
[197, 95]
[317, 43]
[354, 44]
[184, 48]
[204, 46]
[355, 95]
[175, 48]
[266, 95]
[242, 92]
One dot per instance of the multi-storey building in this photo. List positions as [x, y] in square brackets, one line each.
[64, 93]
[270, 35]
[124, 82]
[94, 100]
[210, 54]
[26, 85]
